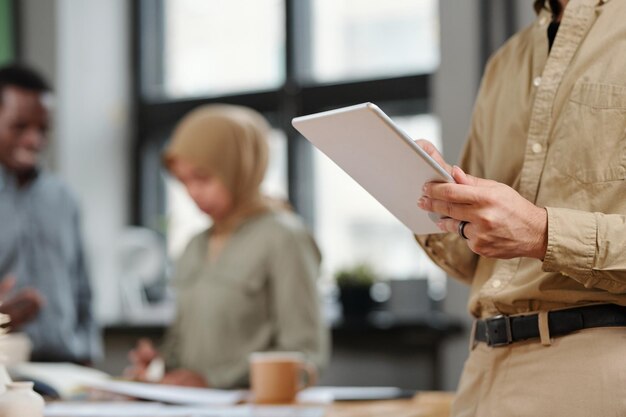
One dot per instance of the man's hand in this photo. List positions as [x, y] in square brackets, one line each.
[432, 151]
[501, 223]
[186, 378]
[21, 307]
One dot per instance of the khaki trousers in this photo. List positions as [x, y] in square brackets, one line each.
[582, 374]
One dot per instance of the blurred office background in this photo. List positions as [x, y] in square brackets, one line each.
[125, 71]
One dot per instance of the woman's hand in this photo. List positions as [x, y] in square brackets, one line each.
[501, 223]
[140, 359]
[186, 378]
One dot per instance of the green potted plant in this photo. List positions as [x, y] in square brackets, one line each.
[354, 290]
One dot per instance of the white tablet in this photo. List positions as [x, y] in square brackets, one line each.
[377, 154]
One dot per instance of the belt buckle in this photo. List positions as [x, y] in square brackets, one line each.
[494, 338]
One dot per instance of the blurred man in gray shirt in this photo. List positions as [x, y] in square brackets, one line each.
[45, 287]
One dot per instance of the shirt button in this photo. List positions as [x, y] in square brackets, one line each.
[537, 81]
[496, 283]
[537, 147]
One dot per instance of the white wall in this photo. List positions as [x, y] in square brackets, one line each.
[525, 13]
[93, 136]
[82, 47]
[38, 35]
[38, 43]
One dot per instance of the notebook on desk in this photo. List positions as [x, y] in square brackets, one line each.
[148, 409]
[69, 381]
[171, 394]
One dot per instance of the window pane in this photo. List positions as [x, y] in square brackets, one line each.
[216, 47]
[360, 39]
[185, 219]
[352, 227]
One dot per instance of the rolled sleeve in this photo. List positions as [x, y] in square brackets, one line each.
[587, 247]
[571, 244]
[451, 254]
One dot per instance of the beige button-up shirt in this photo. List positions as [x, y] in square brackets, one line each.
[552, 125]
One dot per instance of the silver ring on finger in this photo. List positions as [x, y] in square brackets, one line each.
[461, 229]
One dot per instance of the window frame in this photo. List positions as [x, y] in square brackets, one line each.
[409, 93]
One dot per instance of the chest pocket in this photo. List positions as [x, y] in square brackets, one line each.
[591, 144]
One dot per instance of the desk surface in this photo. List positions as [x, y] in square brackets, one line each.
[424, 404]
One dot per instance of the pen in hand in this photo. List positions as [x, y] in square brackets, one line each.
[155, 371]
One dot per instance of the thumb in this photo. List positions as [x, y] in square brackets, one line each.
[462, 178]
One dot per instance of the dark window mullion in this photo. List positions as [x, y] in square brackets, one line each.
[136, 189]
[151, 21]
[155, 116]
[321, 97]
[300, 181]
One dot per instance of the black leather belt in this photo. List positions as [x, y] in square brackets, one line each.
[503, 330]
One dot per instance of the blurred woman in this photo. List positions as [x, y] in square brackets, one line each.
[248, 283]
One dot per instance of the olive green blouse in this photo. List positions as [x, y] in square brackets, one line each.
[260, 294]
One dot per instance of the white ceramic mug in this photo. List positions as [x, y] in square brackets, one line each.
[15, 348]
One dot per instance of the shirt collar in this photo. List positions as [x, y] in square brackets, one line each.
[8, 180]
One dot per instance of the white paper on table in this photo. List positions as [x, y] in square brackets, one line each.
[95, 409]
[170, 393]
[139, 409]
[354, 393]
[285, 411]
[64, 378]
[315, 395]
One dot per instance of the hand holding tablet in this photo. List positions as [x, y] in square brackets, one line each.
[379, 156]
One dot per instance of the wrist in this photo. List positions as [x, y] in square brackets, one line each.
[540, 231]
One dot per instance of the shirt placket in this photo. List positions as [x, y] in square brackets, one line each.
[576, 22]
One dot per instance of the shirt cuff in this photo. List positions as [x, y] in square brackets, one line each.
[571, 244]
